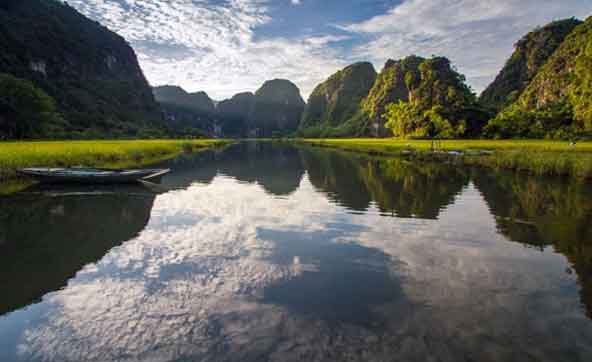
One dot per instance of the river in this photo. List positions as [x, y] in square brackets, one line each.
[271, 252]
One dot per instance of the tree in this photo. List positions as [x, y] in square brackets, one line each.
[25, 110]
[439, 127]
[401, 118]
[552, 121]
[405, 119]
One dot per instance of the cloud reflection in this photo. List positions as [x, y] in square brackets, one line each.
[226, 271]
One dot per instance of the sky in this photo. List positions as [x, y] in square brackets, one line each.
[225, 47]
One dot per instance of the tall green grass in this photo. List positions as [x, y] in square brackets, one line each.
[14, 155]
[534, 156]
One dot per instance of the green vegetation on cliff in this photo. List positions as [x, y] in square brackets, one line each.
[91, 72]
[412, 97]
[25, 110]
[334, 102]
[557, 102]
[544, 90]
[390, 87]
[531, 53]
[430, 99]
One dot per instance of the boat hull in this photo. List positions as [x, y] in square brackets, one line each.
[92, 176]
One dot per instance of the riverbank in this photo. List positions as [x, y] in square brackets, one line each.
[534, 156]
[109, 154]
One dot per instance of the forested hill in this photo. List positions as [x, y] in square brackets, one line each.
[566, 77]
[557, 103]
[91, 73]
[336, 101]
[530, 54]
[544, 91]
[417, 97]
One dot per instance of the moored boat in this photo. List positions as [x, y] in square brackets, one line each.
[92, 175]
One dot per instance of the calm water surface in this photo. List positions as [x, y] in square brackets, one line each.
[264, 252]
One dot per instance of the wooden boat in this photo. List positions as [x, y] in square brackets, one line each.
[91, 175]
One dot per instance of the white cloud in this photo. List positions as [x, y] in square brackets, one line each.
[215, 45]
[201, 45]
[477, 35]
[326, 39]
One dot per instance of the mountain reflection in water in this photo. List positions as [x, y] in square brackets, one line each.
[46, 239]
[264, 251]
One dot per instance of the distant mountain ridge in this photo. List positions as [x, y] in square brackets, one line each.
[274, 109]
[186, 114]
[174, 95]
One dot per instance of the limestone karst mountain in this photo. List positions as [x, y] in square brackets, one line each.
[92, 73]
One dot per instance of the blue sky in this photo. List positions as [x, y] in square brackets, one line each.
[228, 46]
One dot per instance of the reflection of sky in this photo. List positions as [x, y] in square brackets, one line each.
[207, 278]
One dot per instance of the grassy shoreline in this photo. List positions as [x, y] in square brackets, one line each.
[115, 154]
[534, 156]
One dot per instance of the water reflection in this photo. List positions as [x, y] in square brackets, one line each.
[270, 252]
[277, 168]
[45, 239]
[541, 213]
[326, 274]
[399, 187]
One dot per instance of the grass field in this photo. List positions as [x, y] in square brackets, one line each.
[115, 154]
[535, 156]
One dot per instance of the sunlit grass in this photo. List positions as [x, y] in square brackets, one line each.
[536, 156]
[14, 155]
[8, 187]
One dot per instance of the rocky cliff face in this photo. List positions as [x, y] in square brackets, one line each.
[91, 72]
[277, 108]
[566, 77]
[337, 100]
[531, 53]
